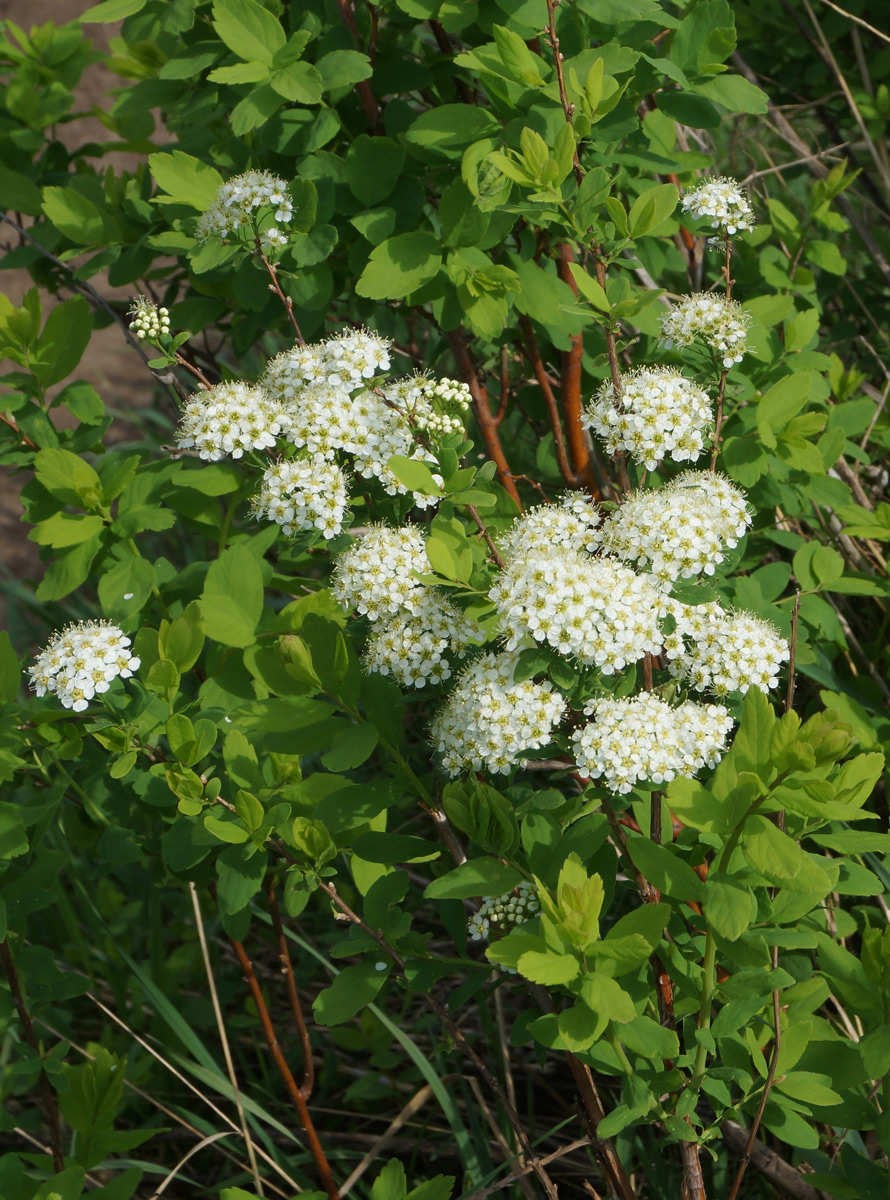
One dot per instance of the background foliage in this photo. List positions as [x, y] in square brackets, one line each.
[432, 171]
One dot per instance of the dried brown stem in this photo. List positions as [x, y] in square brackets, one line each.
[484, 415]
[293, 995]
[47, 1096]
[275, 287]
[193, 370]
[296, 1094]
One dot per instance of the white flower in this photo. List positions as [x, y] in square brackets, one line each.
[488, 721]
[722, 652]
[680, 530]
[596, 609]
[722, 324]
[304, 494]
[149, 321]
[644, 739]
[572, 522]
[723, 201]
[376, 575]
[228, 419]
[244, 203]
[658, 413]
[500, 914]
[412, 645]
[433, 406]
[80, 661]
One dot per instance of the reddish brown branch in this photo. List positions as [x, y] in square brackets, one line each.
[567, 108]
[296, 1094]
[275, 286]
[484, 415]
[571, 388]
[365, 94]
[534, 357]
[47, 1096]
[505, 388]
[293, 995]
[23, 438]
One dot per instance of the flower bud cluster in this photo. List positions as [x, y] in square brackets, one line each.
[412, 646]
[645, 740]
[433, 406]
[488, 722]
[658, 412]
[721, 652]
[376, 575]
[240, 204]
[680, 530]
[593, 608]
[149, 323]
[572, 522]
[228, 419]
[723, 201]
[80, 661]
[304, 493]
[722, 324]
[500, 914]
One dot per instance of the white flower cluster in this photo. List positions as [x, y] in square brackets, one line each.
[659, 412]
[376, 575]
[307, 493]
[149, 322]
[723, 201]
[593, 608]
[722, 324]
[229, 418]
[434, 406]
[412, 646]
[345, 362]
[239, 205]
[80, 661]
[488, 721]
[680, 530]
[572, 522]
[500, 914]
[645, 740]
[722, 652]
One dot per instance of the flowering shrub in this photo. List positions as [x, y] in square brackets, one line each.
[477, 622]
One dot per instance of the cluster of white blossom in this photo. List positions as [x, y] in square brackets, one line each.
[572, 522]
[240, 204]
[228, 419]
[376, 575]
[149, 321]
[344, 362]
[593, 608]
[643, 739]
[681, 529]
[500, 914]
[80, 661]
[722, 324]
[304, 493]
[658, 412]
[720, 652]
[724, 202]
[412, 645]
[489, 722]
[433, 406]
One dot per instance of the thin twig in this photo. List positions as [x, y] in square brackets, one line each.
[484, 416]
[23, 438]
[275, 287]
[293, 995]
[224, 1042]
[47, 1096]
[296, 1095]
[483, 530]
[567, 108]
[534, 355]
[614, 370]
[858, 21]
[789, 695]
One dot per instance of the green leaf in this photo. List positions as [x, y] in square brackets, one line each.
[10, 670]
[579, 1027]
[689, 109]
[414, 475]
[391, 1183]
[665, 869]
[248, 29]
[779, 858]
[735, 93]
[603, 995]
[827, 256]
[67, 477]
[399, 266]
[783, 401]
[232, 600]
[299, 82]
[449, 128]
[182, 640]
[73, 215]
[68, 571]
[645, 1036]
[343, 69]
[19, 193]
[730, 908]
[253, 112]
[547, 967]
[519, 61]
[393, 848]
[245, 72]
[353, 989]
[66, 529]
[751, 746]
[589, 288]
[351, 748]
[478, 877]
[65, 337]
[185, 179]
[652, 208]
[113, 10]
